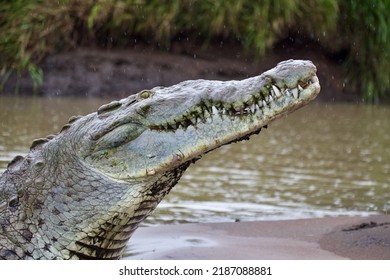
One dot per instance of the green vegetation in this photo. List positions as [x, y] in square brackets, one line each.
[32, 29]
[366, 27]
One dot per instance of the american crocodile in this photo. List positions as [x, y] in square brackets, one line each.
[81, 194]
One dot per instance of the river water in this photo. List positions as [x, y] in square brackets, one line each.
[323, 160]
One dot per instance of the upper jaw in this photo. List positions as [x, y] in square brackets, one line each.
[290, 84]
[240, 98]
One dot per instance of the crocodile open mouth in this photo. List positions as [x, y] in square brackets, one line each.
[254, 105]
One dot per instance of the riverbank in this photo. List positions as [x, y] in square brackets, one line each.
[321, 238]
[118, 73]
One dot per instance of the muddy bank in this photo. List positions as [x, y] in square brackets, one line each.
[118, 73]
[320, 238]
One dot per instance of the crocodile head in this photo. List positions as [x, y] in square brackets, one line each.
[87, 189]
[163, 129]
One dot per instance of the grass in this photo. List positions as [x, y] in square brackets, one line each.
[30, 30]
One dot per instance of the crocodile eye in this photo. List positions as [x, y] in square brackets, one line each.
[145, 94]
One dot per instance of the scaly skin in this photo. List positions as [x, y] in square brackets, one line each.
[82, 193]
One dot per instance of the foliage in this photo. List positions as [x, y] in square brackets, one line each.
[32, 29]
[366, 24]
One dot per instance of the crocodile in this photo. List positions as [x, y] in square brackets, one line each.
[80, 194]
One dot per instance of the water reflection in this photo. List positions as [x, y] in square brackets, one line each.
[323, 160]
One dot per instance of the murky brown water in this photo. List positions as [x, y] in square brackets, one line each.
[323, 160]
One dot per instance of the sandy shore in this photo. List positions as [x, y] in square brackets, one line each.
[322, 238]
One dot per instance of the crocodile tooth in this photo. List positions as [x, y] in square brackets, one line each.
[299, 87]
[215, 110]
[276, 91]
[206, 114]
[257, 107]
[264, 103]
[252, 108]
[295, 92]
[208, 110]
[226, 110]
[271, 99]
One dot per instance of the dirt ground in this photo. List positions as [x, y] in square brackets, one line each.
[329, 238]
[117, 73]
